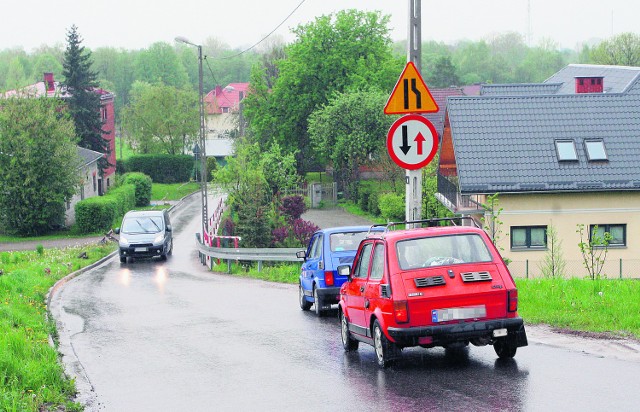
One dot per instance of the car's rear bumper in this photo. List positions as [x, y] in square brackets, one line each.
[329, 295]
[456, 332]
[141, 251]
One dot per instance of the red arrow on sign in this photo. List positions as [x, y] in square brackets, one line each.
[419, 139]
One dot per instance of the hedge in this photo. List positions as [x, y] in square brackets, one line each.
[100, 213]
[392, 206]
[142, 183]
[162, 168]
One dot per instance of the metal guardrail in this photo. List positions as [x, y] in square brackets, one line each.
[251, 254]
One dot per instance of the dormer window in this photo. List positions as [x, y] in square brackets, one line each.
[566, 150]
[596, 150]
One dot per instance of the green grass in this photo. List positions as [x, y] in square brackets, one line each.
[356, 210]
[31, 377]
[271, 271]
[163, 192]
[123, 150]
[601, 305]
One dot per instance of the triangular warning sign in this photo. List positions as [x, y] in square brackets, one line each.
[411, 94]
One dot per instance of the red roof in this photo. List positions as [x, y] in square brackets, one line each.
[440, 97]
[225, 100]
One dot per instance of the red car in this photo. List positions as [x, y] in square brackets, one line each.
[435, 286]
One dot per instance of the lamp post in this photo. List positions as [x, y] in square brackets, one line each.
[202, 151]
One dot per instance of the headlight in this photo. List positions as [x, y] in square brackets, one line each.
[159, 239]
[123, 241]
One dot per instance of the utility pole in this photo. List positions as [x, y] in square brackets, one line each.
[413, 191]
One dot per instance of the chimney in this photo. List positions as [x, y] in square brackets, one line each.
[48, 82]
[589, 84]
[218, 90]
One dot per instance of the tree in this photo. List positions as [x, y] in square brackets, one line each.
[38, 164]
[443, 74]
[350, 129]
[553, 265]
[160, 63]
[83, 102]
[335, 53]
[593, 250]
[620, 50]
[161, 119]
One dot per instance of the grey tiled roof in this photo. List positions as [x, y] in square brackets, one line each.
[507, 143]
[523, 89]
[616, 78]
[88, 156]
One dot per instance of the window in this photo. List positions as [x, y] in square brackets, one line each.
[566, 150]
[377, 264]
[316, 247]
[528, 237]
[595, 149]
[618, 233]
[362, 267]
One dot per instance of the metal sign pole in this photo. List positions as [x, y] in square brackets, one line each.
[413, 191]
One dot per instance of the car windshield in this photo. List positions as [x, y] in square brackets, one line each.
[441, 250]
[142, 224]
[346, 241]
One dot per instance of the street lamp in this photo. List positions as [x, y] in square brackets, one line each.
[202, 151]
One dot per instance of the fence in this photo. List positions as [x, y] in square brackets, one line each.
[612, 269]
[208, 254]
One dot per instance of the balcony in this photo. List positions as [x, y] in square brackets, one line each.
[449, 195]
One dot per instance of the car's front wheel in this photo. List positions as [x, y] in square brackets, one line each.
[504, 348]
[123, 259]
[304, 303]
[385, 349]
[348, 343]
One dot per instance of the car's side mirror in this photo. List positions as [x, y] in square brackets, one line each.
[116, 231]
[301, 254]
[168, 228]
[344, 270]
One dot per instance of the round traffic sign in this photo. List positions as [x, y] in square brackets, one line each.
[412, 142]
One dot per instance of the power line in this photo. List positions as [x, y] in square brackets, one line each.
[267, 36]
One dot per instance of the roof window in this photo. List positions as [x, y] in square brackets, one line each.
[595, 150]
[566, 150]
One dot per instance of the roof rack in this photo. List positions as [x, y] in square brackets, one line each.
[455, 221]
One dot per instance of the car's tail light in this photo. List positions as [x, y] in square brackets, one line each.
[512, 300]
[328, 278]
[401, 311]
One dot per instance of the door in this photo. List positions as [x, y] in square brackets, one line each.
[356, 289]
[372, 297]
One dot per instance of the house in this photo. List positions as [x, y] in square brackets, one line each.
[222, 109]
[559, 154]
[89, 177]
[51, 88]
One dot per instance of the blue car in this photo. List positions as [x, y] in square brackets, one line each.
[328, 248]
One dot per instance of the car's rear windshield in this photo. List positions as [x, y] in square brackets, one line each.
[346, 241]
[142, 224]
[441, 250]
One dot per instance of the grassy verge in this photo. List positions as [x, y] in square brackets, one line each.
[272, 272]
[163, 192]
[31, 378]
[601, 305]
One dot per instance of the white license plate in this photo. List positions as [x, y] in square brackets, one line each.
[141, 249]
[469, 312]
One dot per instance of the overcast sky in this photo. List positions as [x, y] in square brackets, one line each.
[135, 24]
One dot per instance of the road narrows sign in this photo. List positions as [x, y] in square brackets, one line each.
[412, 142]
[410, 95]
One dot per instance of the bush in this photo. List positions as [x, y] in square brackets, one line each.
[392, 206]
[212, 166]
[293, 207]
[373, 205]
[162, 168]
[142, 184]
[99, 213]
[363, 198]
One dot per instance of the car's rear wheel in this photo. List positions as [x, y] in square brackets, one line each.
[304, 303]
[385, 349]
[348, 343]
[317, 303]
[504, 348]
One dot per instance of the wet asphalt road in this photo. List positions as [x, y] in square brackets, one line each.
[171, 336]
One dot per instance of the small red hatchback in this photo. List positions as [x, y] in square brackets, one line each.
[434, 286]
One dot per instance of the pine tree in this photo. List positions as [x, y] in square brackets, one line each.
[83, 100]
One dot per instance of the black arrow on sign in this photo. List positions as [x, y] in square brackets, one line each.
[405, 141]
